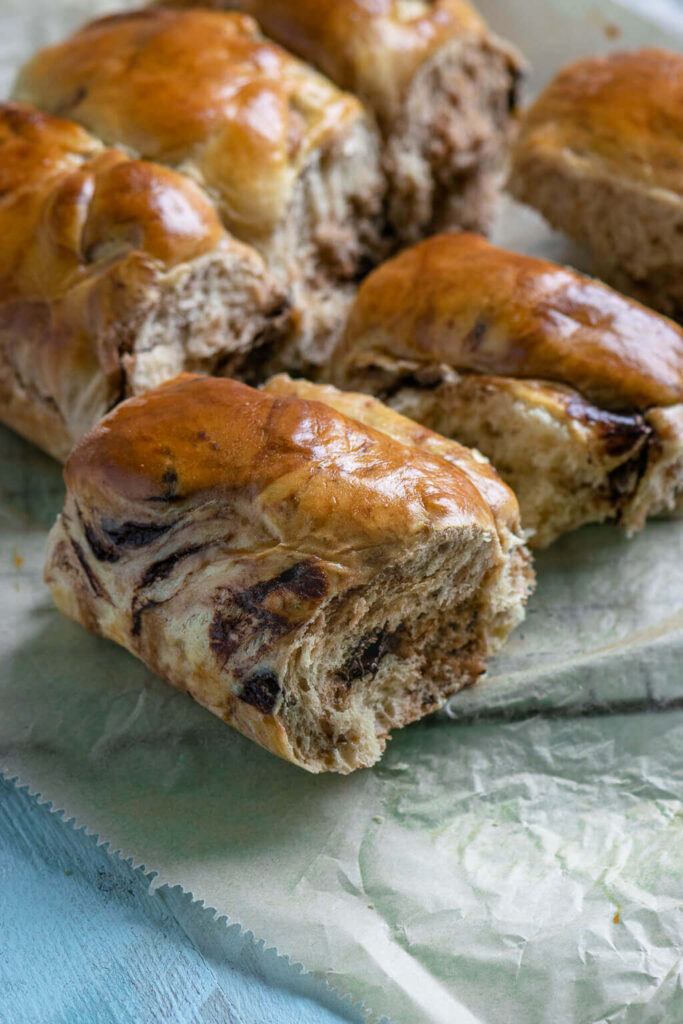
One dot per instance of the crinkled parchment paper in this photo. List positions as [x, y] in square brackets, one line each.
[519, 862]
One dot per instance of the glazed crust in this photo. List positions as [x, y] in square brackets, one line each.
[555, 377]
[197, 436]
[373, 413]
[201, 89]
[459, 301]
[372, 49]
[309, 558]
[622, 113]
[90, 238]
[442, 88]
[599, 155]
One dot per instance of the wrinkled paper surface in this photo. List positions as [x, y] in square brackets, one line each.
[521, 860]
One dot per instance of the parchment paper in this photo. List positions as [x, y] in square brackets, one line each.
[521, 861]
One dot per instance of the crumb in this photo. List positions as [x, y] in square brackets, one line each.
[17, 559]
[611, 31]
[371, 906]
[617, 916]
[68, 873]
[378, 818]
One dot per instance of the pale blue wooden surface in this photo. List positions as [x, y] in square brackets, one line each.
[84, 941]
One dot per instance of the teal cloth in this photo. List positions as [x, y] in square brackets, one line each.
[84, 941]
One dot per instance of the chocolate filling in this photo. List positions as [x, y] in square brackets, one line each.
[125, 535]
[161, 570]
[95, 584]
[261, 689]
[366, 656]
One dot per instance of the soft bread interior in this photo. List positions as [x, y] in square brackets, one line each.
[211, 315]
[445, 148]
[633, 231]
[364, 660]
[330, 236]
[568, 462]
[375, 660]
[661, 487]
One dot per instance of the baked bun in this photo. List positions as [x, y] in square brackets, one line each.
[571, 390]
[312, 581]
[115, 274]
[291, 161]
[600, 155]
[440, 85]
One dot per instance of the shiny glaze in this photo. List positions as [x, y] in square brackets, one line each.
[66, 201]
[459, 301]
[35, 146]
[87, 236]
[202, 88]
[623, 113]
[373, 413]
[371, 47]
[317, 479]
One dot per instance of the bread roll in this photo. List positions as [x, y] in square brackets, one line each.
[442, 87]
[312, 581]
[115, 274]
[600, 155]
[291, 161]
[571, 390]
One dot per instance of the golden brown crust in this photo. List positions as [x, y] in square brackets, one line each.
[201, 435]
[66, 200]
[371, 48]
[199, 88]
[457, 301]
[88, 236]
[621, 114]
[373, 413]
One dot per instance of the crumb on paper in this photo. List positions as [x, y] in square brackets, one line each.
[617, 916]
[371, 906]
[610, 29]
[17, 559]
[378, 818]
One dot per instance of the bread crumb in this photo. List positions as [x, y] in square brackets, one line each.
[17, 559]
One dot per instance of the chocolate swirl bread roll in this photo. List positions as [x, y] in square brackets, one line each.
[442, 87]
[310, 579]
[115, 274]
[574, 392]
[291, 161]
[600, 155]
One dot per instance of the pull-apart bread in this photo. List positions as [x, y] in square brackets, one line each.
[573, 392]
[313, 581]
[291, 161]
[115, 274]
[442, 87]
[600, 155]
